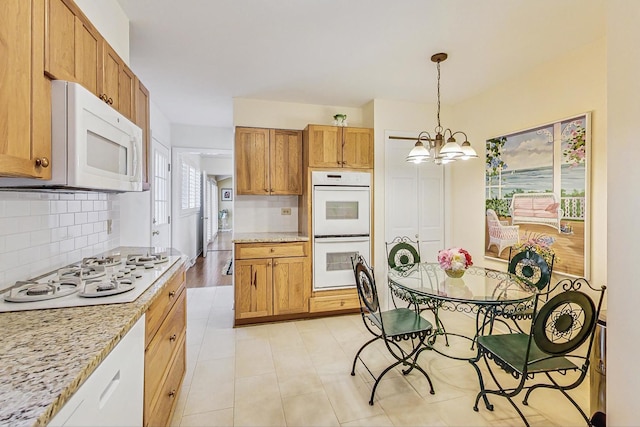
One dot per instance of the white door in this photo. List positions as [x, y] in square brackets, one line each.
[213, 218]
[206, 212]
[414, 198]
[160, 195]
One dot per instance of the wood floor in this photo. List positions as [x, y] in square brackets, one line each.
[209, 271]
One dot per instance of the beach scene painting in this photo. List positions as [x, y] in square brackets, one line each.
[536, 187]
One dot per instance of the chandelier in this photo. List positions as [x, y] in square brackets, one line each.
[435, 148]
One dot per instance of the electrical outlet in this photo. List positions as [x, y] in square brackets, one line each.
[285, 211]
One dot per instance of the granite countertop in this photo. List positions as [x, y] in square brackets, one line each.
[45, 355]
[269, 237]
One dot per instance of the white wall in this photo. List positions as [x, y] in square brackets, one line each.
[572, 84]
[40, 232]
[184, 227]
[622, 227]
[289, 115]
[217, 166]
[205, 137]
[111, 21]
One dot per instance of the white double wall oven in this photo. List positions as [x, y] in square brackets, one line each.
[341, 226]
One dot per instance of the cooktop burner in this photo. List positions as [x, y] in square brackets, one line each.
[83, 272]
[148, 260]
[105, 288]
[27, 291]
[105, 261]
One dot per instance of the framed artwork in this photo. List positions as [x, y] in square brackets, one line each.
[537, 193]
[226, 194]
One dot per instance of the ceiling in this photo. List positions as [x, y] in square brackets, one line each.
[195, 56]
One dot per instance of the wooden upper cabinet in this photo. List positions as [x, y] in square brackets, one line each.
[339, 147]
[268, 161]
[108, 84]
[325, 146]
[142, 119]
[252, 161]
[72, 45]
[285, 161]
[25, 92]
[357, 148]
[127, 92]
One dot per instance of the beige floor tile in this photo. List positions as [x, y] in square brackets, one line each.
[219, 418]
[292, 363]
[214, 371]
[217, 345]
[459, 412]
[311, 325]
[256, 388]
[350, 400]
[409, 409]
[221, 320]
[266, 412]
[195, 331]
[378, 420]
[209, 397]
[300, 384]
[335, 370]
[312, 409]
[252, 332]
[253, 357]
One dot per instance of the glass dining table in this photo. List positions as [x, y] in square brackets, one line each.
[481, 293]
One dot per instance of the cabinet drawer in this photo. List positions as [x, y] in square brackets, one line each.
[160, 414]
[333, 302]
[270, 250]
[163, 303]
[162, 349]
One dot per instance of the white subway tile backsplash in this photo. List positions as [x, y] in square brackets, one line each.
[80, 218]
[40, 232]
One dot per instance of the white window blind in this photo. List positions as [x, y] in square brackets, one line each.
[190, 197]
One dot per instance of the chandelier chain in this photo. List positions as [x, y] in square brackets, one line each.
[438, 66]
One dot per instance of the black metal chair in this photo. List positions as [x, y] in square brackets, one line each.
[560, 340]
[392, 327]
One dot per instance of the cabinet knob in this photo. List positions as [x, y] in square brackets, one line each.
[273, 249]
[103, 97]
[172, 294]
[172, 338]
[172, 393]
[44, 162]
[110, 101]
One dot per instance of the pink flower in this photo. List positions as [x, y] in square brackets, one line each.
[454, 259]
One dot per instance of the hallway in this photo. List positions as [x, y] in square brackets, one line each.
[210, 271]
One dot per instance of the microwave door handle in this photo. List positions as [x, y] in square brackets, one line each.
[134, 140]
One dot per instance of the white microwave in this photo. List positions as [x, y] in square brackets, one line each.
[93, 147]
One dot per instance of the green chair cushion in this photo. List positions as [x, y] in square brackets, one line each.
[401, 321]
[511, 348]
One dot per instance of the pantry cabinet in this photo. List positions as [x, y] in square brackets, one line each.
[268, 161]
[271, 279]
[338, 147]
[25, 92]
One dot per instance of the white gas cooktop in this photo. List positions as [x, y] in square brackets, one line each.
[123, 281]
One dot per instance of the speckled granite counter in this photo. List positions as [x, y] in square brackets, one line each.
[45, 355]
[269, 237]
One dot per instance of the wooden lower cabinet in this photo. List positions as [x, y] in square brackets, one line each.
[277, 283]
[327, 301]
[165, 351]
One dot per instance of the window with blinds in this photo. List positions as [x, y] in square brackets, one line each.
[190, 194]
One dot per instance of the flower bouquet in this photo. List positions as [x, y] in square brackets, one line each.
[454, 261]
[539, 243]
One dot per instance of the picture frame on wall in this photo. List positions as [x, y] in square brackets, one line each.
[226, 194]
[537, 193]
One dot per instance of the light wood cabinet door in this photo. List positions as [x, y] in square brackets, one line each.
[357, 148]
[143, 119]
[72, 45]
[285, 153]
[325, 146]
[25, 92]
[126, 92]
[253, 288]
[252, 161]
[110, 76]
[291, 285]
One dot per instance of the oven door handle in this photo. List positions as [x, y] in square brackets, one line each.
[339, 239]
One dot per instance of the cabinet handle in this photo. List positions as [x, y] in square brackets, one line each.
[172, 393]
[255, 278]
[172, 338]
[172, 294]
[110, 101]
[275, 263]
[44, 162]
[103, 97]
